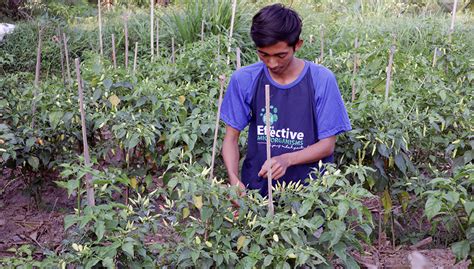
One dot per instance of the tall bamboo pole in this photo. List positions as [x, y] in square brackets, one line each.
[354, 72]
[87, 161]
[158, 37]
[125, 24]
[152, 24]
[173, 59]
[66, 53]
[453, 18]
[216, 130]
[135, 58]
[321, 35]
[238, 52]
[234, 7]
[434, 57]
[61, 51]
[114, 57]
[269, 154]
[101, 44]
[202, 31]
[37, 75]
[389, 71]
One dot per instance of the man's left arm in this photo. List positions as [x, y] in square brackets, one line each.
[310, 154]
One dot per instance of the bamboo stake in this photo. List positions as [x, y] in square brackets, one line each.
[354, 72]
[434, 57]
[238, 52]
[453, 18]
[158, 37]
[125, 22]
[87, 161]
[61, 51]
[234, 7]
[269, 154]
[216, 130]
[135, 58]
[311, 39]
[389, 71]
[66, 52]
[202, 31]
[152, 17]
[37, 75]
[101, 44]
[173, 59]
[321, 34]
[114, 58]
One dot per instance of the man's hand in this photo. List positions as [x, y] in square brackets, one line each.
[279, 164]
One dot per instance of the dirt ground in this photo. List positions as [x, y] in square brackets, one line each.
[25, 220]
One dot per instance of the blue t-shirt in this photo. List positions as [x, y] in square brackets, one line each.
[331, 115]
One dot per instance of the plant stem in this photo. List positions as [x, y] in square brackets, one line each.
[114, 59]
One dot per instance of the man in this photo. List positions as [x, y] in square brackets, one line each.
[307, 111]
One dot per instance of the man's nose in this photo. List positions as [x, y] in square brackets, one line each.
[272, 63]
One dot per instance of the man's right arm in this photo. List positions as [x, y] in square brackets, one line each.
[230, 153]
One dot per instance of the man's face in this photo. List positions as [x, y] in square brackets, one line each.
[278, 57]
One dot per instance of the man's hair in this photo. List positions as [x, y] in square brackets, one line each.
[275, 23]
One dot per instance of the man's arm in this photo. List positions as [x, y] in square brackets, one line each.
[230, 153]
[313, 153]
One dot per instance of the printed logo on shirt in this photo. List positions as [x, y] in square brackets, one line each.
[273, 115]
[280, 138]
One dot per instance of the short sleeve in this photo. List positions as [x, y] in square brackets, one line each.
[331, 114]
[235, 110]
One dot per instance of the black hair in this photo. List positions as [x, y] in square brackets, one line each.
[275, 23]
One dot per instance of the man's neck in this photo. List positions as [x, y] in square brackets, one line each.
[290, 74]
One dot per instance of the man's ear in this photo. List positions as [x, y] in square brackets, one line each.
[298, 44]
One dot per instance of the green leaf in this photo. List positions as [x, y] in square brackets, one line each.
[342, 209]
[340, 250]
[30, 142]
[108, 262]
[206, 213]
[461, 249]
[305, 207]
[387, 204]
[69, 220]
[452, 197]
[432, 207]
[128, 249]
[54, 118]
[99, 230]
[469, 206]
[268, 260]
[400, 162]
[34, 162]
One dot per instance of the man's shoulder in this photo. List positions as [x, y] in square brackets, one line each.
[320, 72]
[248, 73]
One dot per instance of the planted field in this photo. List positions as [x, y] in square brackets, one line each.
[133, 177]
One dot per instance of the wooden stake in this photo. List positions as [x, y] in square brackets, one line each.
[434, 57]
[234, 7]
[238, 52]
[152, 24]
[114, 59]
[101, 44]
[202, 31]
[158, 37]
[321, 55]
[135, 58]
[311, 39]
[453, 18]
[87, 161]
[173, 59]
[354, 72]
[125, 24]
[269, 154]
[37, 75]
[389, 71]
[216, 130]
[66, 53]
[61, 51]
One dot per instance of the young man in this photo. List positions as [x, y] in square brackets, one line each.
[307, 111]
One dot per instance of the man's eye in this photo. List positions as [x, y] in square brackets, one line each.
[282, 56]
